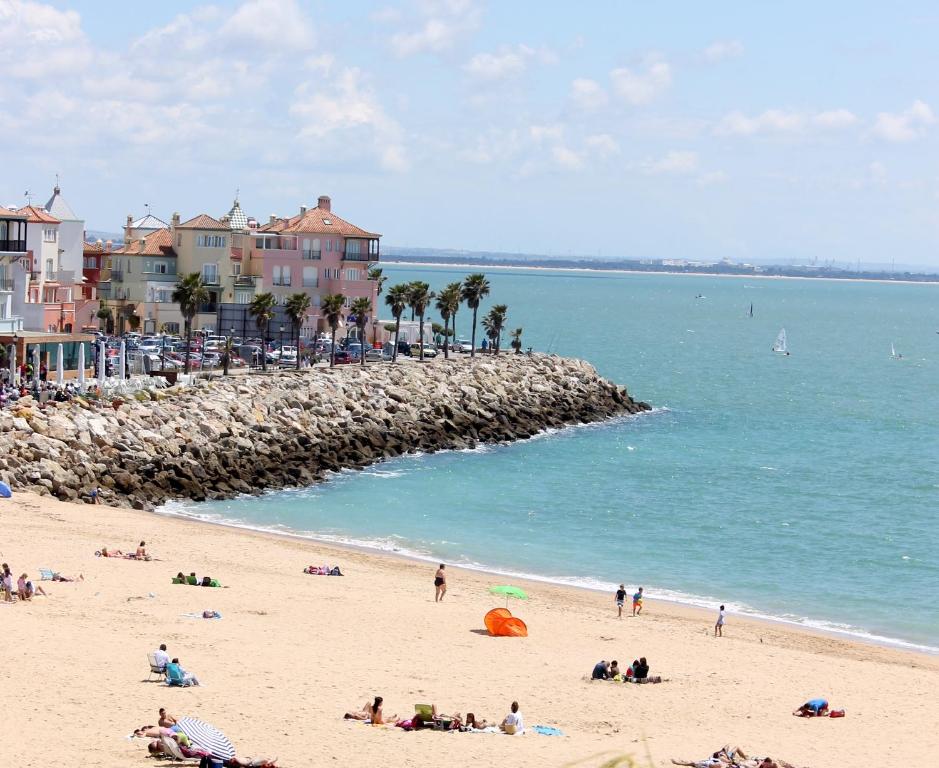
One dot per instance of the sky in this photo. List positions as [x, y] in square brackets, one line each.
[793, 132]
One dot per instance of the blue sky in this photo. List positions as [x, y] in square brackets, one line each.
[796, 132]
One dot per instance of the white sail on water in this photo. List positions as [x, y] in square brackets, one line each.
[781, 345]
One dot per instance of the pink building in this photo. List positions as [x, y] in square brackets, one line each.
[318, 253]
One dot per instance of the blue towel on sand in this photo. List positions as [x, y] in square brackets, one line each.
[547, 730]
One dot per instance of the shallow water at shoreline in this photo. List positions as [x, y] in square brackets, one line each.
[799, 487]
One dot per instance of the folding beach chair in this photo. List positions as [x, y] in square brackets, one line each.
[155, 669]
[424, 714]
[174, 676]
[46, 575]
[171, 748]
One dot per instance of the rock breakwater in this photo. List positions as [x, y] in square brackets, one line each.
[227, 436]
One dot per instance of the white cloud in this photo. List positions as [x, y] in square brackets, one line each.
[344, 111]
[444, 24]
[566, 158]
[541, 133]
[676, 162]
[588, 94]
[602, 145]
[711, 178]
[835, 118]
[723, 49]
[39, 41]
[904, 126]
[770, 121]
[269, 24]
[507, 63]
[642, 86]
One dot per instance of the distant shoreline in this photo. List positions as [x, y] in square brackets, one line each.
[614, 270]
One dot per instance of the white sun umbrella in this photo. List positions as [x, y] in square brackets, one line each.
[102, 359]
[207, 736]
[122, 365]
[81, 365]
[36, 366]
[14, 374]
[60, 366]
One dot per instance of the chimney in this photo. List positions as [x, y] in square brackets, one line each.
[302, 210]
[324, 203]
[272, 219]
[175, 220]
[130, 220]
[107, 246]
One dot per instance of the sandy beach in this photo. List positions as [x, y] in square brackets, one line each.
[293, 652]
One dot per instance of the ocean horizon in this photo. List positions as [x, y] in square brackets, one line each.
[795, 488]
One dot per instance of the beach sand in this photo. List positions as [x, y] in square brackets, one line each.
[293, 652]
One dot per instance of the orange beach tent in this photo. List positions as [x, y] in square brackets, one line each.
[501, 623]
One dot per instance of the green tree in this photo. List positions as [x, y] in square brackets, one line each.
[189, 294]
[457, 288]
[226, 354]
[375, 274]
[261, 309]
[494, 322]
[105, 314]
[397, 301]
[361, 307]
[517, 341]
[475, 289]
[420, 297]
[447, 302]
[331, 306]
[298, 304]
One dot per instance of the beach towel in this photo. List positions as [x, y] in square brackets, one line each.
[547, 730]
[203, 615]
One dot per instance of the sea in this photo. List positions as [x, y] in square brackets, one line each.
[801, 488]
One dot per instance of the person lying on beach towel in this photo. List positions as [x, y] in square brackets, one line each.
[371, 713]
[736, 757]
[105, 552]
[475, 724]
[59, 577]
[322, 570]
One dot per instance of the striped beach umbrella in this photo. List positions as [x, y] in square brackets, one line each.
[208, 737]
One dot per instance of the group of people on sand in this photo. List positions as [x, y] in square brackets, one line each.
[193, 580]
[513, 723]
[168, 739]
[726, 757]
[172, 669]
[637, 672]
[323, 570]
[22, 589]
[139, 554]
[620, 599]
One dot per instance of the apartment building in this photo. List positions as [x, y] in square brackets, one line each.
[13, 255]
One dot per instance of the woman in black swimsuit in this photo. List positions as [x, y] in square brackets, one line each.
[440, 582]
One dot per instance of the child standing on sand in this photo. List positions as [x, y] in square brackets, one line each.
[620, 599]
[719, 626]
[637, 602]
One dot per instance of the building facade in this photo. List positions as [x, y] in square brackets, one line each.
[13, 255]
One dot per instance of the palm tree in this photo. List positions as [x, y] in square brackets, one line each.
[261, 309]
[361, 308]
[296, 308]
[455, 306]
[517, 341]
[475, 288]
[397, 301]
[413, 286]
[189, 294]
[331, 306]
[447, 300]
[420, 297]
[226, 354]
[494, 322]
[375, 273]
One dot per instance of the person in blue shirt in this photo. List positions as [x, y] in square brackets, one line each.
[601, 671]
[813, 708]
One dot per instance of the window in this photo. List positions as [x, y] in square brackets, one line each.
[210, 241]
[352, 247]
[49, 269]
[49, 234]
[282, 275]
[210, 274]
[160, 268]
[179, 243]
[329, 245]
[327, 222]
[309, 277]
[243, 297]
[90, 262]
[171, 328]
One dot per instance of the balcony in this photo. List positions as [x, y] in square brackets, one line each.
[209, 308]
[350, 256]
[117, 275]
[210, 280]
[104, 290]
[245, 281]
[281, 281]
[312, 255]
[6, 285]
[12, 246]
[311, 282]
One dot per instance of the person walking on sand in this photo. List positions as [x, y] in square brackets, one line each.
[719, 626]
[620, 599]
[440, 583]
[637, 602]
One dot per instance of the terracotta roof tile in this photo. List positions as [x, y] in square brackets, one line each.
[314, 221]
[6, 213]
[159, 243]
[202, 221]
[36, 215]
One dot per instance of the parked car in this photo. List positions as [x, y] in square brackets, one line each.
[429, 351]
[462, 345]
[287, 356]
[373, 355]
[343, 357]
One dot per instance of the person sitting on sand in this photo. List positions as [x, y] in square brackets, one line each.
[372, 713]
[642, 671]
[167, 720]
[813, 708]
[141, 553]
[161, 657]
[21, 592]
[513, 723]
[33, 589]
[615, 671]
[600, 671]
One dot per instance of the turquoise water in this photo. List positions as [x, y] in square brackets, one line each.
[803, 487]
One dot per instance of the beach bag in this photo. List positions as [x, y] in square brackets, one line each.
[214, 583]
[335, 572]
[836, 713]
